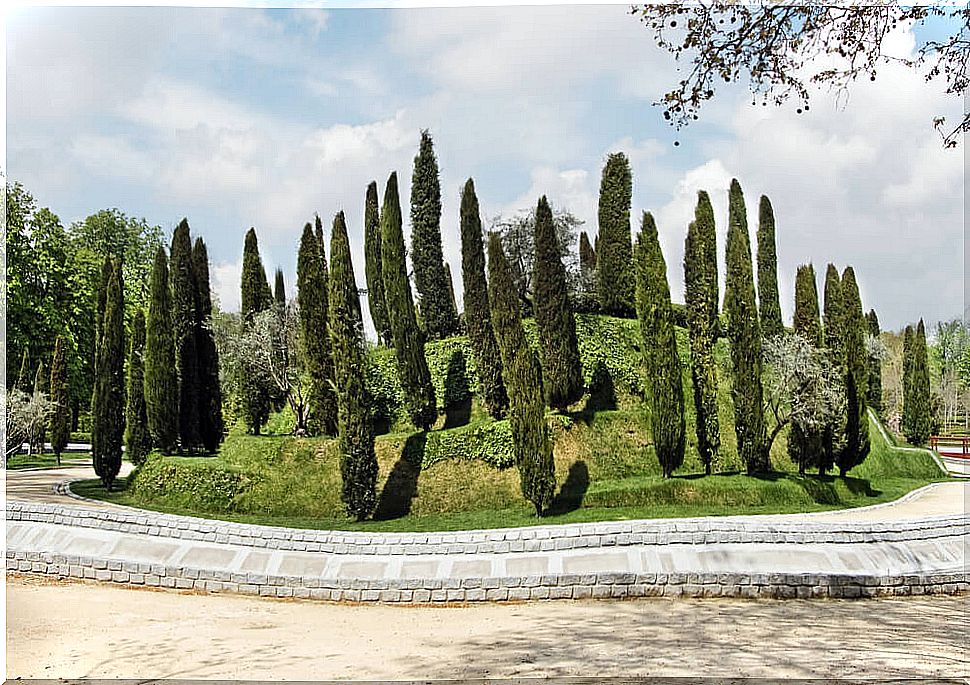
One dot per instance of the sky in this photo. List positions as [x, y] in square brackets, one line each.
[239, 117]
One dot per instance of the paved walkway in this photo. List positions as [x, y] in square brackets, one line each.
[916, 545]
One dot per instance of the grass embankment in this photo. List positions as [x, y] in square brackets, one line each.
[453, 478]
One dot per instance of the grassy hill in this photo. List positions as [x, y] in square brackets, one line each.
[461, 474]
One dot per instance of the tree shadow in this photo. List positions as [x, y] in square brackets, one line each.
[860, 486]
[602, 391]
[573, 490]
[402, 482]
[458, 396]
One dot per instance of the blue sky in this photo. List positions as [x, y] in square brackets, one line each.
[249, 117]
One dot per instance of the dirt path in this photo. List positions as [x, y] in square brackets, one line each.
[69, 630]
[38, 485]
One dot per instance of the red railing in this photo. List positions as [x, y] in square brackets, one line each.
[951, 445]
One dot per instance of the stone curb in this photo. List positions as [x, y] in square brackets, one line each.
[512, 588]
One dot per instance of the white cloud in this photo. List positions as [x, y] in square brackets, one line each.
[226, 285]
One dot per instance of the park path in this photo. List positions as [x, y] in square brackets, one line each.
[940, 499]
[144, 634]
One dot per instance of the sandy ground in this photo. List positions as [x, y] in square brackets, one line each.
[77, 629]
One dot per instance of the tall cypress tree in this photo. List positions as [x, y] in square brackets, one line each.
[279, 289]
[430, 279]
[874, 395]
[185, 325]
[768, 304]
[211, 424]
[558, 347]
[312, 286]
[412, 367]
[23, 378]
[478, 315]
[109, 390]
[256, 297]
[523, 376]
[660, 345]
[41, 381]
[587, 255]
[138, 442]
[744, 332]
[909, 340]
[919, 411]
[856, 376]
[358, 463]
[161, 381]
[834, 336]
[701, 295]
[805, 443]
[373, 265]
[60, 397]
[614, 249]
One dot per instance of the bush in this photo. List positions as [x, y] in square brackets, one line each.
[488, 442]
[179, 481]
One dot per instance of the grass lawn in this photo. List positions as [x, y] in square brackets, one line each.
[47, 461]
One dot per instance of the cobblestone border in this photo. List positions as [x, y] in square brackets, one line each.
[512, 588]
[498, 541]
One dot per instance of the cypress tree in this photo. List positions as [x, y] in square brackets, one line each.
[909, 340]
[211, 424]
[108, 426]
[701, 295]
[523, 376]
[373, 265]
[805, 443]
[660, 344]
[478, 315]
[744, 332]
[558, 348]
[834, 336]
[23, 378]
[60, 397]
[312, 286]
[437, 311]
[279, 290]
[40, 384]
[318, 228]
[451, 289]
[857, 376]
[138, 442]
[161, 381]
[412, 366]
[614, 250]
[587, 255]
[768, 304]
[358, 463]
[920, 412]
[185, 325]
[874, 395]
[256, 297]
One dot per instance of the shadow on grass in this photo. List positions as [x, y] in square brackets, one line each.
[602, 396]
[458, 396]
[402, 482]
[573, 490]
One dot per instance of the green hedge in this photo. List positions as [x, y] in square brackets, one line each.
[177, 480]
[488, 442]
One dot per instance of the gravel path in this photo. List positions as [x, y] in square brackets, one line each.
[153, 634]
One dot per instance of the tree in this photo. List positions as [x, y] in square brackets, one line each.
[373, 265]
[38, 437]
[587, 256]
[857, 376]
[185, 321]
[211, 424]
[138, 442]
[920, 415]
[60, 398]
[23, 378]
[768, 305]
[412, 367]
[744, 332]
[108, 426]
[518, 243]
[358, 462]
[161, 381]
[909, 347]
[256, 297]
[558, 347]
[785, 50]
[430, 279]
[950, 343]
[834, 437]
[478, 315]
[312, 287]
[701, 296]
[660, 347]
[523, 377]
[805, 439]
[279, 289]
[614, 253]
[24, 413]
[802, 389]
